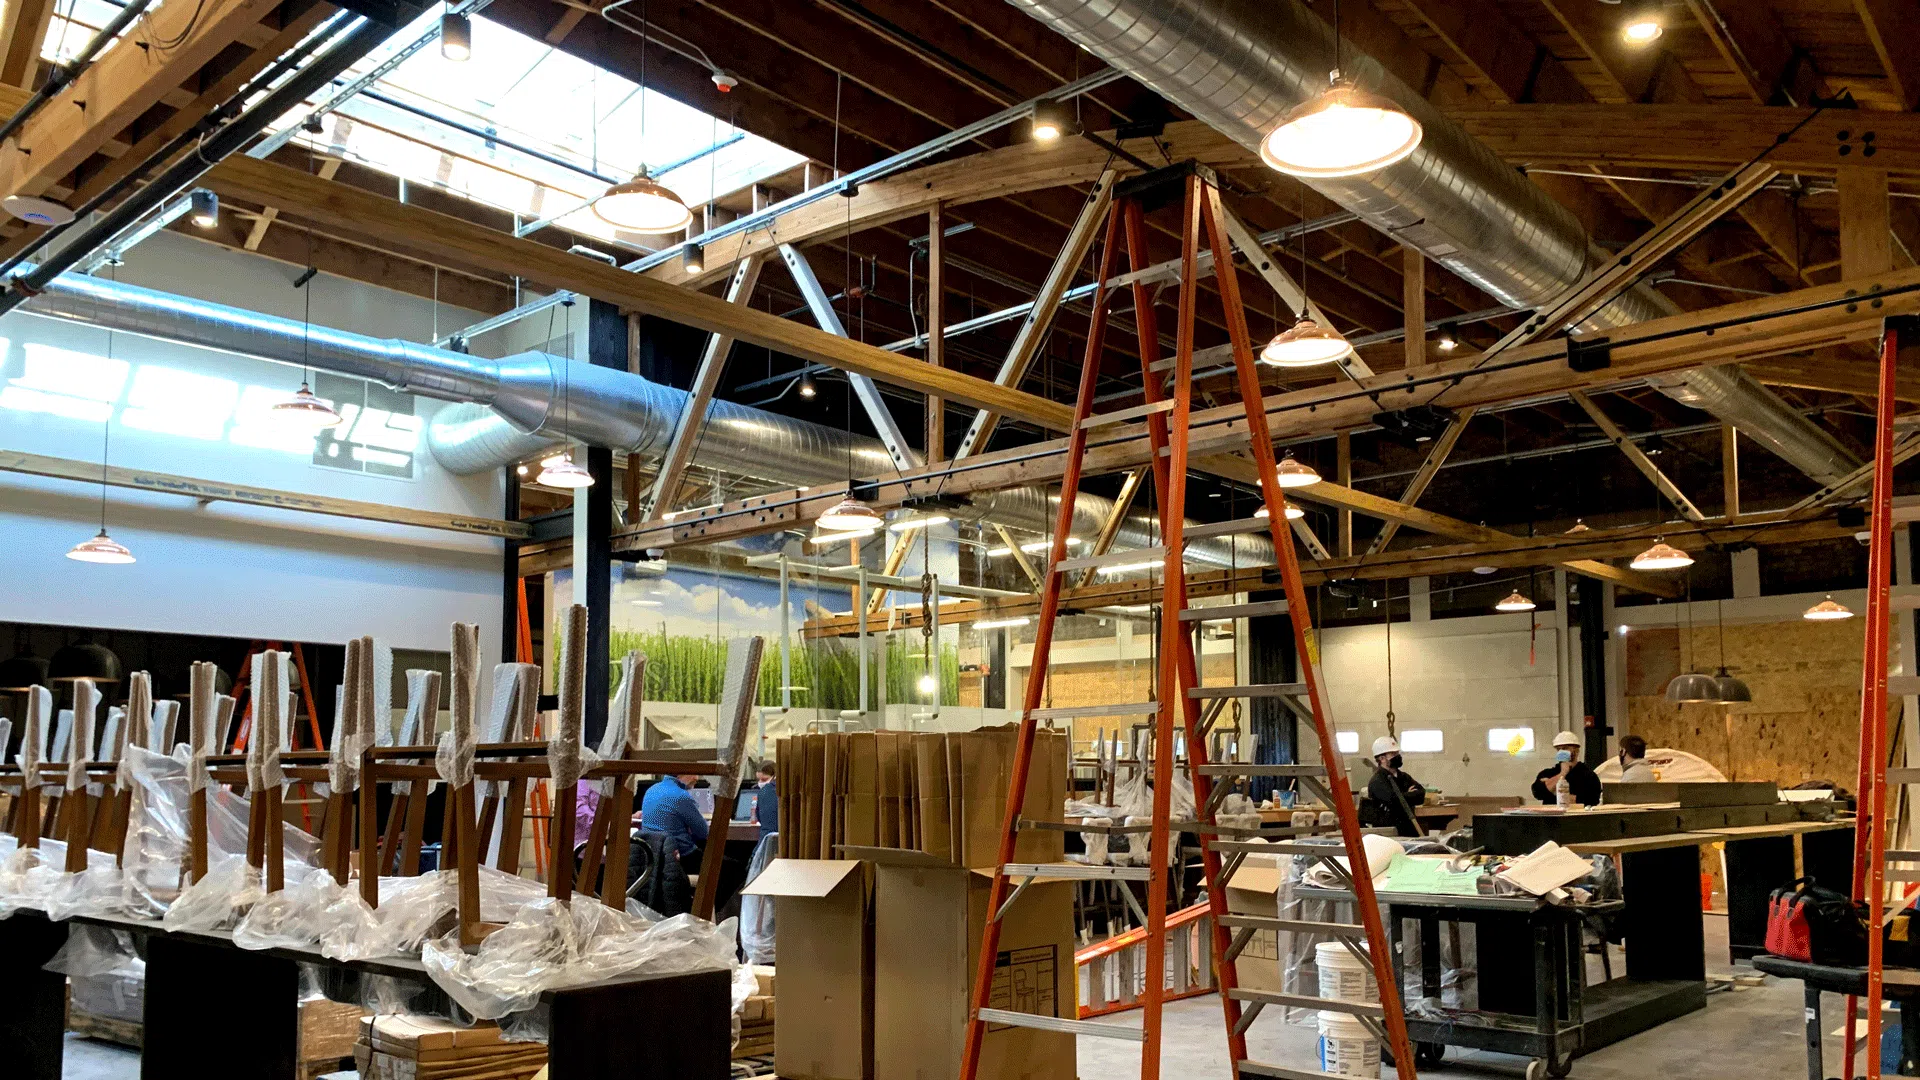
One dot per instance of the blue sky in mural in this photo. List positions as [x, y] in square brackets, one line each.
[694, 604]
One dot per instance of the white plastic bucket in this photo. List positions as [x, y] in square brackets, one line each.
[1342, 976]
[1347, 1048]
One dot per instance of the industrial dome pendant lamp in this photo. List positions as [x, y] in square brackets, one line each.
[642, 204]
[1344, 131]
[305, 410]
[101, 548]
[1306, 343]
[560, 470]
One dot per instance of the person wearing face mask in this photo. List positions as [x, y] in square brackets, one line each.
[1583, 785]
[1391, 793]
[1633, 761]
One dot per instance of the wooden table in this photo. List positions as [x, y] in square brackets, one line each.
[211, 1005]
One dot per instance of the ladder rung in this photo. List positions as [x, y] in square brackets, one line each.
[1903, 776]
[1077, 871]
[1225, 528]
[1234, 611]
[1257, 847]
[1903, 685]
[1299, 926]
[1282, 1072]
[1308, 1001]
[1902, 875]
[1055, 1023]
[1121, 416]
[1111, 558]
[1285, 689]
[1137, 708]
[1250, 769]
[1902, 855]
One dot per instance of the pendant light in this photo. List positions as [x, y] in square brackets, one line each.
[101, 548]
[456, 37]
[560, 470]
[1579, 526]
[1292, 473]
[1730, 687]
[1515, 601]
[1827, 611]
[84, 660]
[304, 410]
[1294, 513]
[851, 516]
[1692, 686]
[1344, 131]
[1306, 343]
[1661, 556]
[642, 204]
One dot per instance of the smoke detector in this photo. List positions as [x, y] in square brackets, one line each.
[724, 82]
[36, 211]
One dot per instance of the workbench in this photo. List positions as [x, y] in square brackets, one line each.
[1534, 1002]
[1897, 986]
[211, 1006]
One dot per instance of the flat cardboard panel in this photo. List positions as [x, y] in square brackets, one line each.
[930, 777]
[825, 946]
[980, 773]
[926, 951]
[863, 788]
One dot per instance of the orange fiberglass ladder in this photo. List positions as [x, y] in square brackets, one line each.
[1870, 854]
[1167, 418]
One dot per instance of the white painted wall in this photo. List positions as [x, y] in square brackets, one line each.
[1459, 676]
[221, 568]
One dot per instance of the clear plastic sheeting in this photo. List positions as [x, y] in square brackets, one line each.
[156, 844]
[290, 918]
[92, 951]
[551, 944]
[218, 900]
[756, 912]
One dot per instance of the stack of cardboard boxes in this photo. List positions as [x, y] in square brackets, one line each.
[757, 1016]
[889, 841]
[421, 1048]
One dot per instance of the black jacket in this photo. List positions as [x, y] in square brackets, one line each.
[1584, 782]
[1387, 808]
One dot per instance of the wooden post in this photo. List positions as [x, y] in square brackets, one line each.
[936, 436]
[1343, 468]
[1866, 234]
[1730, 471]
[1413, 302]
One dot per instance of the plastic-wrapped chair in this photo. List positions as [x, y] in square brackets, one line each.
[756, 912]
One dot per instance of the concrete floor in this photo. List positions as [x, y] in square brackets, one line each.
[1742, 1034]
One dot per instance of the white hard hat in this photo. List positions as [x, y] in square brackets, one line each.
[1566, 738]
[1385, 745]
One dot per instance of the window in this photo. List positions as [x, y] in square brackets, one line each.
[1510, 740]
[1347, 742]
[1423, 741]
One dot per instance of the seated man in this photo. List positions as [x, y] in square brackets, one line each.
[668, 808]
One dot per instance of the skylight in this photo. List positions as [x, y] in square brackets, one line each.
[535, 130]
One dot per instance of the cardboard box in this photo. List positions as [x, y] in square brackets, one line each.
[928, 918]
[1254, 890]
[979, 775]
[823, 918]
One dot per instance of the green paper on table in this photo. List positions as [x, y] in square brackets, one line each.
[1429, 874]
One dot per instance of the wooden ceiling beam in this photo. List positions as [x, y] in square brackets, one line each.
[1893, 28]
[23, 28]
[1836, 371]
[161, 51]
[1751, 40]
[361, 214]
[1514, 67]
[1714, 137]
[1631, 72]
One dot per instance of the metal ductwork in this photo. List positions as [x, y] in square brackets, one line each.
[1238, 65]
[510, 409]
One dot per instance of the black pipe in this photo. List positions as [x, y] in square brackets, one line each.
[219, 114]
[64, 74]
[1593, 665]
[211, 151]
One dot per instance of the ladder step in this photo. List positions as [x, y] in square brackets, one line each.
[1259, 847]
[1111, 558]
[1250, 769]
[1055, 1023]
[1903, 685]
[1136, 708]
[1225, 528]
[1233, 611]
[1288, 689]
[1077, 872]
[1121, 416]
[1309, 1001]
[1281, 1072]
[1299, 926]
[1903, 776]
[1903, 856]
[1902, 875]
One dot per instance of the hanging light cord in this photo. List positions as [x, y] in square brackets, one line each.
[1389, 627]
[106, 429]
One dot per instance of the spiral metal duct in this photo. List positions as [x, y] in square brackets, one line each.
[1239, 64]
[510, 409]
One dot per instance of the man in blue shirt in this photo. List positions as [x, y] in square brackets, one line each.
[668, 808]
[766, 804]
